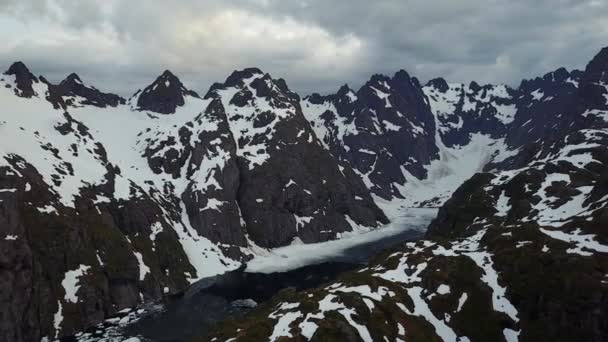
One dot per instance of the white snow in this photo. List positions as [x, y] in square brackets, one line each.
[602, 114]
[143, 268]
[390, 126]
[155, 229]
[461, 301]
[537, 94]
[71, 283]
[454, 166]
[58, 319]
[47, 210]
[502, 205]
[213, 204]
[511, 335]
[241, 121]
[580, 241]
[490, 277]
[294, 256]
[124, 149]
[470, 247]
[281, 328]
[505, 113]
[422, 309]
[443, 289]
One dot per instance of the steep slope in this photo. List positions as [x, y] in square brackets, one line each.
[290, 186]
[87, 227]
[518, 254]
[385, 130]
[107, 203]
[411, 144]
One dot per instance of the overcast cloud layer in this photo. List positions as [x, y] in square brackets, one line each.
[316, 45]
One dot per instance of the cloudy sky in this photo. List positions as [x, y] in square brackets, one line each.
[316, 45]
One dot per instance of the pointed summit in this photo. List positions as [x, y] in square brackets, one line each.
[24, 79]
[344, 89]
[71, 79]
[164, 95]
[18, 68]
[73, 87]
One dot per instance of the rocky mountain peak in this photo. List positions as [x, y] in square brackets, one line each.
[597, 69]
[316, 98]
[251, 84]
[24, 79]
[344, 90]
[72, 78]
[238, 76]
[594, 83]
[474, 86]
[72, 91]
[164, 95]
[439, 84]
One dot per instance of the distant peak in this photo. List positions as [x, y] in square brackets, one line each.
[378, 78]
[344, 89]
[474, 86]
[237, 76]
[19, 68]
[597, 69]
[168, 74]
[23, 79]
[164, 95]
[439, 83]
[401, 75]
[72, 79]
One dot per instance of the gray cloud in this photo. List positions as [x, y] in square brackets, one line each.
[315, 45]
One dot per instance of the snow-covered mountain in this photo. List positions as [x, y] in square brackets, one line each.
[107, 202]
[518, 253]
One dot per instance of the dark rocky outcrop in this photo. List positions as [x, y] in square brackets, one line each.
[24, 80]
[545, 107]
[164, 95]
[72, 87]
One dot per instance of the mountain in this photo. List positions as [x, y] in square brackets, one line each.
[517, 253]
[385, 130]
[106, 203]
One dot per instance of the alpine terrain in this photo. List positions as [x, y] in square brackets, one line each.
[109, 202]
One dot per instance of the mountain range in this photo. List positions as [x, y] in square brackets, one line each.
[107, 202]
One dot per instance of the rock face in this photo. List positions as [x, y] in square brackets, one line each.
[23, 80]
[515, 254]
[290, 186]
[462, 110]
[385, 130]
[75, 92]
[546, 107]
[164, 95]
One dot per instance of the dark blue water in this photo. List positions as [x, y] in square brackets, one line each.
[211, 300]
